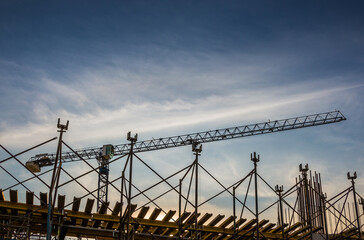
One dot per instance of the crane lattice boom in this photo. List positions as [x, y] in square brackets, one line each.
[200, 137]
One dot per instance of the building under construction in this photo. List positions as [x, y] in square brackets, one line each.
[301, 211]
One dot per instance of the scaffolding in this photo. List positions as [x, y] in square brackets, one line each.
[303, 211]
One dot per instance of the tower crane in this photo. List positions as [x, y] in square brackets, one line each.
[105, 153]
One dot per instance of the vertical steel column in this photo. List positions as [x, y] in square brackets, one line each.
[352, 178]
[55, 177]
[323, 204]
[121, 224]
[180, 209]
[196, 196]
[255, 159]
[197, 149]
[321, 201]
[307, 199]
[132, 142]
[234, 213]
[279, 191]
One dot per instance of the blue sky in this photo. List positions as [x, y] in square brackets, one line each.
[163, 68]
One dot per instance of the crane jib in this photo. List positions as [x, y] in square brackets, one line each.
[201, 137]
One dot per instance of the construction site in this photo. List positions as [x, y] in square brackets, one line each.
[46, 205]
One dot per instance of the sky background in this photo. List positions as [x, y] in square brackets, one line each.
[165, 68]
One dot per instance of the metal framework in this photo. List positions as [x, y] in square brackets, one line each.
[41, 160]
[28, 220]
[200, 137]
[305, 218]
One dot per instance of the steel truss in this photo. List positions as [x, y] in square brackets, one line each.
[200, 137]
[41, 160]
[128, 221]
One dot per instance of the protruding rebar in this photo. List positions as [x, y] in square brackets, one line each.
[304, 171]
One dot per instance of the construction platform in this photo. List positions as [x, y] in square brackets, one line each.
[27, 219]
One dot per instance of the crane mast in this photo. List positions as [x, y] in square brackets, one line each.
[105, 153]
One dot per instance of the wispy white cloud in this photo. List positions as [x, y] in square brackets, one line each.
[102, 108]
[152, 116]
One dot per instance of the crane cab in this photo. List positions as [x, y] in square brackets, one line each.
[107, 152]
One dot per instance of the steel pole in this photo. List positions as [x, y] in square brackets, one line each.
[131, 153]
[197, 149]
[121, 224]
[352, 178]
[196, 197]
[234, 213]
[129, 191]
[279, 191]
[307, 199]
[180, 209]
[323, 199]
[50, 199]
[255, 159]
[55, 177]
